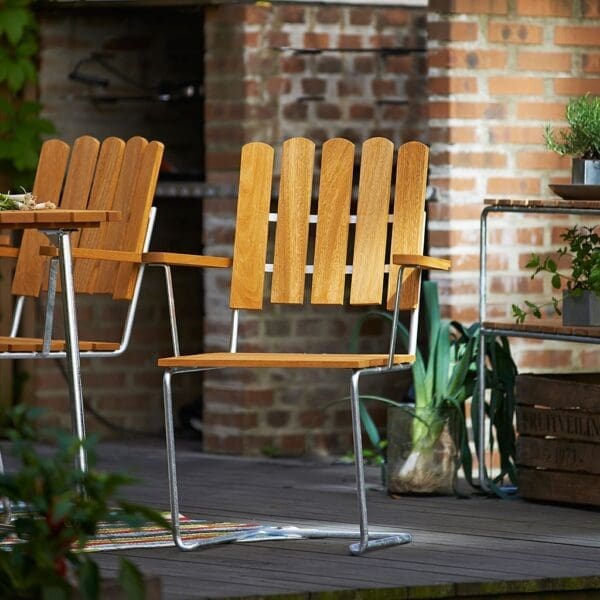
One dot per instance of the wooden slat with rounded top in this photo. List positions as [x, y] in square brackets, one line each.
[409, 220]
[374, 189]
[252, 226]
[101, 197]
[331, 246]
[138, 217]
[47, 187]
[283, 360]
[293, 210]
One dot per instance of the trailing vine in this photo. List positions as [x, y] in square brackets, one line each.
[21, 127]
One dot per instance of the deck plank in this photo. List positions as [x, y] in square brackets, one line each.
[474, 545]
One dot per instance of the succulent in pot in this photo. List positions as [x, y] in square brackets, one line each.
[581, 139]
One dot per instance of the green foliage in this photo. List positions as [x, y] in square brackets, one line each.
[446, 377]
[21, 127]
[583, 251]
[582, 139]
[62, 511]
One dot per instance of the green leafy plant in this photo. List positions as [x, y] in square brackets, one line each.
[444, 378]
[21, 127]
[582, 139]
[60, 509]
[583, 252]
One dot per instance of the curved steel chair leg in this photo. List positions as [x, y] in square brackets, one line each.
[368, 541]
[375, 539]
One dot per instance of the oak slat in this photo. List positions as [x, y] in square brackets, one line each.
[291, 235]
[335, 194]
[47, 187]
[371, 221]
[252, 226]
[102, 197]
[138, 217]
[290, 360]
[409, 219]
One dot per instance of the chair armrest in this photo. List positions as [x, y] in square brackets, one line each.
[8, 252]
[424, 262]
[175, 259]
[111, 255]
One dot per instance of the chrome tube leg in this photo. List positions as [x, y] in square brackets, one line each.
[72, 345]
[481, 413]
[173, 487]
[50, 304]
[377, 540]
[172, 314]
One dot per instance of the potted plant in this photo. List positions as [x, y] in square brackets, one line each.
[427, 440]
[581, 284]
[60, 509]
[581, 140]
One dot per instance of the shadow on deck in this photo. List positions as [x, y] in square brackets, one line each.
[463, 548]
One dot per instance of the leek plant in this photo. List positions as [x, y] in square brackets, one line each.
[444, 377]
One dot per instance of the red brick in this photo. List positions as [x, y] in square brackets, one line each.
[591, 9]
[514, 33]
[329, 14]
[398, 64]
[393, 17]
[544, 111]
[361, 16]
[452, 85]
[542, 160]
[292, 14]
[528, 86]
[316, 40]
[383, 87]
[293, 64]
[465, 110]
[507, 185]
[494, 7]
[544, 61]
[544, 359]
[576, 35]
[503, 134]
[448, 239]
[545, 8]
[457, 184]
[328, 111]
[454, 58]
[257, 15]
[278, 39]
[313, 86]
[453, 135]
[364, 64]
[577, 87]
[329, 64]
[590, 63]
[479, 160]
[278, 418]
[515, 284]
[457, 31]
[278, 85]
[350, 87]
[347, 40]
[362, 111]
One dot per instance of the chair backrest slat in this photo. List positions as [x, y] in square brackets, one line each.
[333, 222]
[293, 211]
[374, 189]
[115, 175]
[47, 187]
[138, 216]
[252, 229]
[101, 198]
[409, 219]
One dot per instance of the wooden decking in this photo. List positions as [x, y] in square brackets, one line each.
[476, 547]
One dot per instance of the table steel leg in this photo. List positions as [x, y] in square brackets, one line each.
[72, 344]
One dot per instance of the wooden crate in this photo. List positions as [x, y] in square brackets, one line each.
[558, 448]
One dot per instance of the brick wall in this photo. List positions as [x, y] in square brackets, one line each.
[258, 88]
[498, 70]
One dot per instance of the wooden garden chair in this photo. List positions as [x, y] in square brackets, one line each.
[381, 246]
[91, 176]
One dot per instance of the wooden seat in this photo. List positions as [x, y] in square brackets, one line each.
[384, 245]
[90, 176]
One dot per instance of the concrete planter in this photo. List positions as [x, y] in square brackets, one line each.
[586, 172]
[581, 310]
